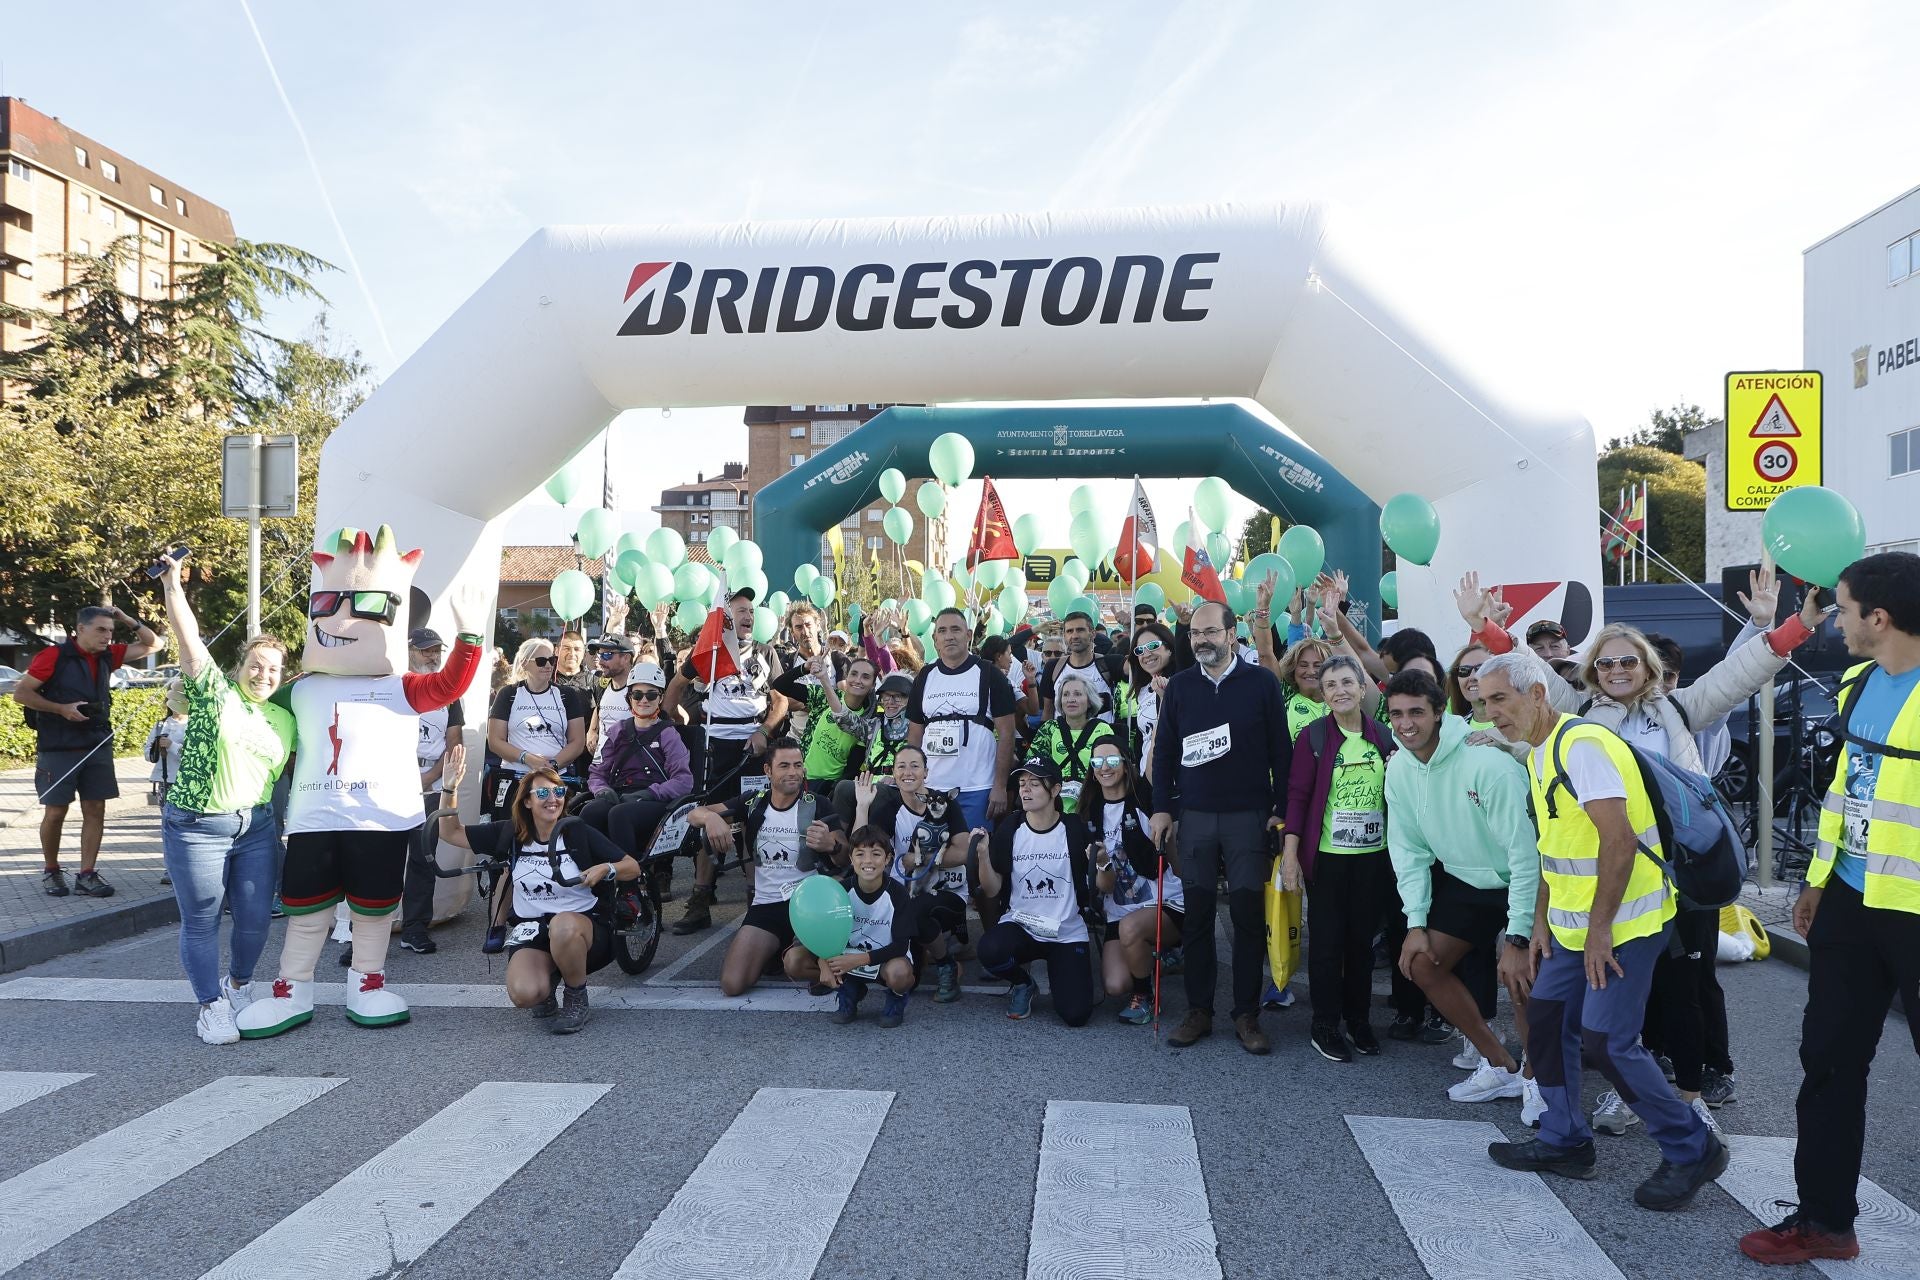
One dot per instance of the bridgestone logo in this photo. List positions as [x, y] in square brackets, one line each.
[1129, 289]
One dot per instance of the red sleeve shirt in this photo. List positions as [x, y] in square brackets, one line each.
[41, 668]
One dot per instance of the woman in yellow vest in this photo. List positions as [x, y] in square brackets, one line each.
[1602, 918]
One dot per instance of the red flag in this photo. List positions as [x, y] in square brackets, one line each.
[712, 659]
[1139, 535]
[992, 537]
[1198, 576]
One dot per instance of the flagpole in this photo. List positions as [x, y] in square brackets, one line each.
[1646, 527]
[1620, 563]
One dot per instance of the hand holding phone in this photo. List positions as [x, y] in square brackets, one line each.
[168, 560]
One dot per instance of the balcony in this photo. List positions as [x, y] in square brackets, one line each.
[15, 194]
[16, 242]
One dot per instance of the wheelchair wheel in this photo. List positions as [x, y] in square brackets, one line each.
[636, 934]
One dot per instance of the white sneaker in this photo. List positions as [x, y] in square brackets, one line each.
[290, 1005]
[1487, 1083]
[216, 1023]
[1612, 1114]
[1532, 1104]
[239, 997]
[1469, 1057]
[370, 1003]
[1705, 1113]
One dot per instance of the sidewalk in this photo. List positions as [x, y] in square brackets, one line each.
[35, 927]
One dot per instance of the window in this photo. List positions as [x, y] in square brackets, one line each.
[1900, 259]
[798, 408]
[832, 432]
[86, 203]
[83, 246]
[873, 543]
[110, 171]
[19, 170]
[797, 432]
[795, 459]
[180, 206]
[875, 516]
[158, 196]
[154, 282]
[1906, 452]
[833, 408]
[108, 216]
[154, 235]
[80, 156]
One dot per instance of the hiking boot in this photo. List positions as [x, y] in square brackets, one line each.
[699, 912]
[1797, 1238]
[1403, 1027]
[947, 975]
[89, 884]
[548, 1007]
[1612, 1115]
[1718, 1090]
[1672, 1185]
[418, 943]
[1195, 1027]
[1535, 1156]
[1252, 1038]
[573, 1011]
[54, 881]
[847, 1005]
[1139, 1012]
[1331, 1045]
[1365, 1043]
[893, 1011]
[1020, 999]
[1435, 1030]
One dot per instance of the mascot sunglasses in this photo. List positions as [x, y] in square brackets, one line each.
[380, 606]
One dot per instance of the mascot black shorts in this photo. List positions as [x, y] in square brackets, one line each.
[367, 868]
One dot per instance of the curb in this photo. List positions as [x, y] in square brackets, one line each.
[32, 946]
[1788, 946]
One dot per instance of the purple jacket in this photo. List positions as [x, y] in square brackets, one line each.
[659, 768]
[1310, 780]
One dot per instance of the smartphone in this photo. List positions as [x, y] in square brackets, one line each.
[157, 568]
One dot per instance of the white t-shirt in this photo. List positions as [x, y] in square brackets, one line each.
[960, 752]
[741, 697]
[1131, 891]
[872, 927]
[1041, 887]
[614, 709]
[536, 894]
[1590, 771]
[433, 739]
[167, 767]
[776, 855]
[536, 724]
[1642, 728]
[355, 768]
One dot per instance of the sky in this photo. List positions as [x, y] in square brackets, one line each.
[1609, 202]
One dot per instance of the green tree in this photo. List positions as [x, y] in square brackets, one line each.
[1666, 429]
[1676, 507]
[1256, 536]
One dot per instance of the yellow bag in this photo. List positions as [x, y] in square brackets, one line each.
[1283, 931]
[1736, 919]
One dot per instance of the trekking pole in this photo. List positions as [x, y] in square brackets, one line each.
[1159, 918]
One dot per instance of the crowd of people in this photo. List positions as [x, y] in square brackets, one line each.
[1079, 795]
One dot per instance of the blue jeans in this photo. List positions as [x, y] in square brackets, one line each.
[973, 807]
[213, 856]
[1565, 1015]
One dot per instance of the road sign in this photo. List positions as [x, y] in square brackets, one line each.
[278, 476]
[1773, 435]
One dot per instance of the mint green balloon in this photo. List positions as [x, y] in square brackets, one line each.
[666, 547]
[893, 485]
[1076, 572]
[612, 575]
[753, 580]
[1151, 594]
[1411, 527]
[693, 582]
[629, 541]
[690, 616]
[631, 564]
[766, 624]
[1304, 550]
[931, 499]
[1272, 562]
[804, 575]
[822, 915]
[1060, 596]
[951, 457]
[1083, 535]
[1012, 604]
[1238, 597]
[743, 556]
[1813, 533]
[821, 591]
[721, 541]
[571, 594]
[654, 584]
[1083, 499]
[1390, 589]
[961, 578]
[919, 616]
[937, 592]
[1026, 534]
[996, 624]
[1210, 502]
[596, 529]
[563, 484]
[780, 602]
[1219, 550]
[898, 525]
[991, 574]
[1182, 539]
[1087, 605]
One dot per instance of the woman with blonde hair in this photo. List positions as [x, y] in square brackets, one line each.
[534, 723]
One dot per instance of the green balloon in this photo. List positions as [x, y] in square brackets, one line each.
[1076, 572]
[893, 485]
[571, 594]
[766, 624]
[919, 616]
[780, 602]
[821, 915]
[612, 575]
[690, 616]
[1813, 534]
[596, 529]
[1304, 550]
[743, 556]
[937, 592]
[1272, 562]
[1087, 605]
[898, 525]
[804, 575]
[1182, 539]
[1237, 594]
[1240, 629]
[1390, 589]
[961, 578]
[563, 484]
[693, 582]
[1219, 550]
[991, 574]
[821, 592]
[629, 541]
[951, 457]
[1083, 535]
[1026, 534]
[1411, 527]
[1060, 596]
[631, 564]
[1012, 604]
[753, 580]
[666, 547]
[1151, 594]
[1210, 502]
[1081, 500]
[654, 584]
[931, 499]
[721, 541]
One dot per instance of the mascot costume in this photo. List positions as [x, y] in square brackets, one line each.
[355, 803]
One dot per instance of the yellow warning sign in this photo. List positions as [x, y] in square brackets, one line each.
[1773, 435]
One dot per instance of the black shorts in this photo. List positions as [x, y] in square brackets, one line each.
[772, 917]
[1475, 916]
[599, 951]
[367, 868]
[942, 911]
[59, 776]
[1111, 931]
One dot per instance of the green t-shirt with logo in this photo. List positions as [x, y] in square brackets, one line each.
[1356, 816]
[234, 750]
[1301, 712]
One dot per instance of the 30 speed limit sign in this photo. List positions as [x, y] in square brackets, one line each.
[1775, 461]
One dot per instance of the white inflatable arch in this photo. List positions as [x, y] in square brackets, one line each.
[1219, 301]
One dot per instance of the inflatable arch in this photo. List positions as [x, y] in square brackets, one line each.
[1214, 301]
[1223, 440]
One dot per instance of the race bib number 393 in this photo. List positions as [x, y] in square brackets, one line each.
[1208, 744]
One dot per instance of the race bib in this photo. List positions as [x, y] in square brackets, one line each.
[1854, 812]
[525, 931]
[871, 972]
[943, 739]
[672, 832]
[1357, 829]
[1039, 926]
[1209, 744]
[1070, 792]
[753, 784]
[953, 880]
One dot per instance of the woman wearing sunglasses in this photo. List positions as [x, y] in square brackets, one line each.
[534, 723]
[1148, 666]
[643, 769]
[554, 929]
[1127, 872]
[1067, 739]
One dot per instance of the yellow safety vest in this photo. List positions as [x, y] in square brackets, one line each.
[1570, 845]
[1893, 814]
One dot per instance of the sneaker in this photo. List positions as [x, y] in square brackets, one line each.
[1487, 1083]
[1436, 1030]
[370, 1003]
[1276, 997]
[54, 881]
[1364, 1041]
[1535, 1156]
[1665, 1064]
[1533, 1103]
[548, 1007]
[496, 941]
[847, 1003]
[1252, 1038]
[1195, 1027]
[1717, 1089]
[947, 976]
[237, 997]
[89, 884]
[1173, 961]
[418, 943]
[1139, 1012]
[1672, 1185]
[1612, 1115]
[817, 988]
[216, 1023]
[1705, 1113]
[1797, 1238]
[893, 1010]
[1332, 1045]
[166, 879]
[574, 1011]
[1403, 1027]
[1469, 1057]
[1020, 999]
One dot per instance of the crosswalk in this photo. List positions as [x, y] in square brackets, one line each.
[1120, 1188]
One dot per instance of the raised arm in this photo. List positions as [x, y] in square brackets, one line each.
[186, 628]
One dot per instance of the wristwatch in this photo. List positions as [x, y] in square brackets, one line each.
[1520, 940]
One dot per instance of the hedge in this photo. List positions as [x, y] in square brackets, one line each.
[134, 713]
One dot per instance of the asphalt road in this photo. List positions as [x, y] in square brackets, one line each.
[947, 1188]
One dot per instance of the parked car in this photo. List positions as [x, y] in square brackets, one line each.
[9, 677]
[1811, 702]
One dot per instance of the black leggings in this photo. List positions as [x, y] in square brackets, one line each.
[1343, 910]
[1006, 949]
[1691, 1008]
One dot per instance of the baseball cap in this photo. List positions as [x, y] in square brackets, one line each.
[748, 592]
[425, 638]
[1546, 627]
[1041, 768]
[611, 642]
[647, 673]
[839, 635]
[896, 683]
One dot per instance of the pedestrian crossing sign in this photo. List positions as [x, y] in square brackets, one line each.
[1773, 435]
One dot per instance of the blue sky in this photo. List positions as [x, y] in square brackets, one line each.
[1607, 203]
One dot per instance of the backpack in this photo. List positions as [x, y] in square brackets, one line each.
[1706, 859]
[1847, 697]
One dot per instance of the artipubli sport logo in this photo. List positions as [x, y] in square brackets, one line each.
[1137, 288]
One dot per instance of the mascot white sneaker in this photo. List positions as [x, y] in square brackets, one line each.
[355, 802]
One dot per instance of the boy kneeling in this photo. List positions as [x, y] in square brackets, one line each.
[877, 948]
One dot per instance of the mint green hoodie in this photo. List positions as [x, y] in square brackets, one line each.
[1467, 809]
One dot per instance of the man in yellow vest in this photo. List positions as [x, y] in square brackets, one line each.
[1603, 916]
[1860, 909]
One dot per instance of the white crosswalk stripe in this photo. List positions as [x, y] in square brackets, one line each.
[51, 1201]
[394, 1207]
[17, 1088]
[705, 997]
[799, 1149]
[1760, 1172]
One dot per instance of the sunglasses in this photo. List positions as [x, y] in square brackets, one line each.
[548, 793]
[1626, 662]
[379, 606]
[544, 662]
[1465, 671]
[646, 695]
[1142, 650]
[1107, 762]
[601, 655]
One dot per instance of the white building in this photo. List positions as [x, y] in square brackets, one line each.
[1862, 331]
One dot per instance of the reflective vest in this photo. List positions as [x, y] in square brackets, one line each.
[1570, 845]
[1893, 814]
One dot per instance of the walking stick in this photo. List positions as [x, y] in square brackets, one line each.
[1159, 918]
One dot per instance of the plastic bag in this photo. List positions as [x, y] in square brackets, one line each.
[1742, 936]
[1283, 931]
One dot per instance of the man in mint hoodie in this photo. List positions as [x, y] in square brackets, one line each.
[1466, 857]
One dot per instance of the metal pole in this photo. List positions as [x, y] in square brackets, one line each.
[1763, 785]
[256, 455]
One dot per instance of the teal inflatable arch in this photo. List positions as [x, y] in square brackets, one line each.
[1261, 463]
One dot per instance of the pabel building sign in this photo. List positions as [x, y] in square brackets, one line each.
[1773, 435]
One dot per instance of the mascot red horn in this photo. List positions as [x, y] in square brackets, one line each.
[355, 803]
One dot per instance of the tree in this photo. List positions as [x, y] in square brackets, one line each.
[1676, 507]
[1256, 536]
[1666, 430]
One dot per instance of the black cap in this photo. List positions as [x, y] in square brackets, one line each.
[742, 591]
[1040, 767]
[1546, 627]
[611, 642]
[896, 683]
[425, 638]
